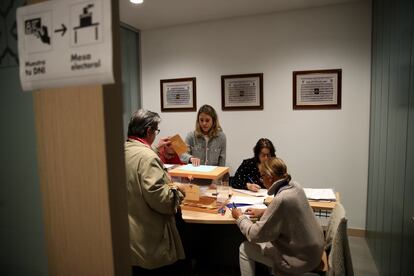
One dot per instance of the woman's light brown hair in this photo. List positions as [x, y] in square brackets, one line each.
[274, 167]
[215, 128]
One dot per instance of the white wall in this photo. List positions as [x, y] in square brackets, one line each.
[322, 148]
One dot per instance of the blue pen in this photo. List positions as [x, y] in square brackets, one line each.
[251, 180]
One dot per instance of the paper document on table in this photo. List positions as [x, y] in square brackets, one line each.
[246, 200]
[206, 191]
[201, 168]
[320, 194]
[254, 206]
[170, 166]
[178, 144]
[261, 192]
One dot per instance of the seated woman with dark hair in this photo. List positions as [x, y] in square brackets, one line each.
[247, 175]
[287, 236]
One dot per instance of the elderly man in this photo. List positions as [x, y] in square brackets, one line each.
[152, 201]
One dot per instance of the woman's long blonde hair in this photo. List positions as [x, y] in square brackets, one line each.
[274, 167]
[215, 128]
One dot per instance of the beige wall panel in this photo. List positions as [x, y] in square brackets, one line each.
[82, 174]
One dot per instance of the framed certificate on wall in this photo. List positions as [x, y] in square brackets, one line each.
[242, 92]
[317, 89]
[178, 95]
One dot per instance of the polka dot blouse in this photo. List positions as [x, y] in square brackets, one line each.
[247, 172]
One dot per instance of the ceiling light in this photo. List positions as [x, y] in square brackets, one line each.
[136, 1]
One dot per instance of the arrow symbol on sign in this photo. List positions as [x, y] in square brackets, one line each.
[63, 30]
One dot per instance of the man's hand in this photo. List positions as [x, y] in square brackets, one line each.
[255, 213]
[253, 187]
[163, 142]
[180, 187]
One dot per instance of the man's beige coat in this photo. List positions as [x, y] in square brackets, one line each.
[152, 204]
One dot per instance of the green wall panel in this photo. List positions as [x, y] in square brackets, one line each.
[389, 157]
[22, 243]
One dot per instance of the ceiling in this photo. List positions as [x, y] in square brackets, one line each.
[165, 13]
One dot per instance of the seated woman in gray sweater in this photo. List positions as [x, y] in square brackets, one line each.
[287, 237]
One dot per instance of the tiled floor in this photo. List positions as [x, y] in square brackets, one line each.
[362, 260]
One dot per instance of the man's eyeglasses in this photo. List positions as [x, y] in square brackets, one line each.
[157, 131]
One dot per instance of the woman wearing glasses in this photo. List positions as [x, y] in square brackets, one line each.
[247, 175]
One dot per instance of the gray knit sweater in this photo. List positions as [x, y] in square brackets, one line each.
[294, 239]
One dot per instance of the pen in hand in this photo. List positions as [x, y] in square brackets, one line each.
[236, 213]
[252, 186]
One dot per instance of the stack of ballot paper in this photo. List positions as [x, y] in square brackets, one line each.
[320, 194]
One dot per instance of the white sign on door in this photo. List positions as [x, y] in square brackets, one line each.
[64, 43]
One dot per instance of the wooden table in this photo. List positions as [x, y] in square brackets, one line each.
[209, 233]
[209, 218]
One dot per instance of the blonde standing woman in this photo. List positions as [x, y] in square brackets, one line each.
[207, 143]
[287, 237]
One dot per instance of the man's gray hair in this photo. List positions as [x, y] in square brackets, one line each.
[141, 120]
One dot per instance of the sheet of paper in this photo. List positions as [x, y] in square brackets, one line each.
[246, 200]
[320, 194]
[261, 192]
[170, 166]
[201, 168]
[178, 144]
[204, 191]
[255, 206]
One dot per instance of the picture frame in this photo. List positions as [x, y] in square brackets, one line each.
[178, 94]
[317, 89]
[242, 92]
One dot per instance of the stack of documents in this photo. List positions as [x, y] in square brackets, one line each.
[320, 194]
[170, 166]
[255, 206]
[261, 192]
[246, 200]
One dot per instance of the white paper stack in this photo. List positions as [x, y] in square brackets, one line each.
[170, 166]
[320, 194]
[246, 200]
[254, 206]
[261, 192]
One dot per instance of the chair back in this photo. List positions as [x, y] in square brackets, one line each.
[337, 244]
[338, 213]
